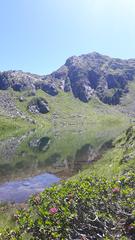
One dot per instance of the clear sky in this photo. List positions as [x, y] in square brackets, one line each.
[39, 35]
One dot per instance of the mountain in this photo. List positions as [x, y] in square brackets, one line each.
[65, 123]
[85, 76]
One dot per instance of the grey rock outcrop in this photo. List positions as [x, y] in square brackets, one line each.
[38, 105]
[95, 75]
[49, 88]
[18, 80]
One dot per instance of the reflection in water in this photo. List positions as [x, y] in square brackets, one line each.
[19, 191]
[34, 154]
[54, 163]
[84, 156]
[39, 156]
[40, 144]
[9, 146]
[53, 159]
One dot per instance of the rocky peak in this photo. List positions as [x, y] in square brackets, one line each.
[85, 76]
[96, 74]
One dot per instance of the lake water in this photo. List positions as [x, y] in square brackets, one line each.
[31, 162]
[19, 191]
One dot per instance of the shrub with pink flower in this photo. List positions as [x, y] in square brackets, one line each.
[53, 210]
[116, 190]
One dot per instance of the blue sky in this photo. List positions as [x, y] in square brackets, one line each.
[39, 35]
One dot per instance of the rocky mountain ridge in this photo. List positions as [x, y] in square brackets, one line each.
[85, 76]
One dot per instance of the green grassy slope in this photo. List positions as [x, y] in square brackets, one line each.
[10, 127]
[128, 100]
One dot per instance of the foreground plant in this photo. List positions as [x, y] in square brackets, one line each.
[87, 208]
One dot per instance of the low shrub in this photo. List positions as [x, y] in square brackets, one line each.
[86, 208]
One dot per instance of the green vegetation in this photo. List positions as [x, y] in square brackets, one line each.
[12, 127]
[118, 159]
[67, 112]
[7, 212]
[86, 208]
[128, 99]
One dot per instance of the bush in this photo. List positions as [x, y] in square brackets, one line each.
[86, 208]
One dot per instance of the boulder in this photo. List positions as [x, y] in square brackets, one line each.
[49, 88]
[38, 105]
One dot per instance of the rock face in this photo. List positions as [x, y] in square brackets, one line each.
[18, 80]
[96, 75]
[49, 88]
[85, 76]
[38, 105]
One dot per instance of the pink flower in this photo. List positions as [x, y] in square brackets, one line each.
[53, 210]
[116, 190]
